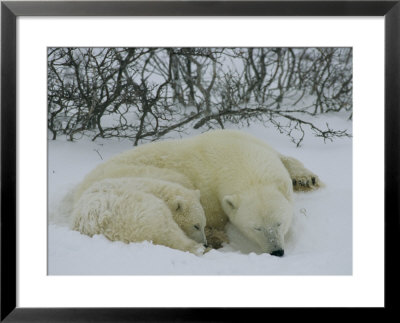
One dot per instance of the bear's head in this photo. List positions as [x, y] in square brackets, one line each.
[262, 214]
[189, 214]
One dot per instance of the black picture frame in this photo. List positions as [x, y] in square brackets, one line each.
[9, 13]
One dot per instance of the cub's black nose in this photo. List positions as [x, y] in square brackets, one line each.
[278, 253]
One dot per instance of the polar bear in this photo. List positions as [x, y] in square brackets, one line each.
[183, 203]
[239, 181]
[131, 216]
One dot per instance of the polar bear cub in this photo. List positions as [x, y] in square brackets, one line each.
[131, 216]
[184, 204]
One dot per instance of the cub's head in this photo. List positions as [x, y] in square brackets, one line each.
[263, 215]
[189, 214]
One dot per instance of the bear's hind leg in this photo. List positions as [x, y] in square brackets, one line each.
[302, 178]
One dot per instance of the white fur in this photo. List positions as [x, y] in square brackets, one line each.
[183, 203]
[129, 215]
[124, 170]
[239, 180]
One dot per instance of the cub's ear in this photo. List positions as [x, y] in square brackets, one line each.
[178, 204]
[229, 203]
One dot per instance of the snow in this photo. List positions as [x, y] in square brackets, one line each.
[318, 243]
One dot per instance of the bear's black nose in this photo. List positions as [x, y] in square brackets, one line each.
[278, 253]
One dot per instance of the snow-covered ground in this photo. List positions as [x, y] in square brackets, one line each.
[319, 242]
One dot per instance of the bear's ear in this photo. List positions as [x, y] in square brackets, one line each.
[178, 203]
[229, 203]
